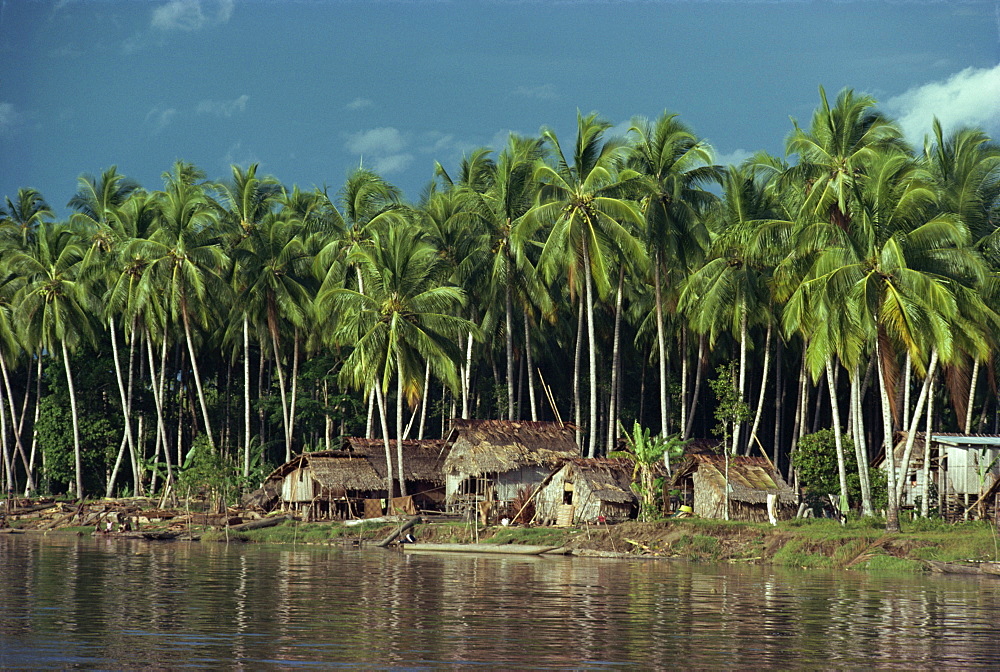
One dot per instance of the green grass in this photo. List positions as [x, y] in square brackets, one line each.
[542, 536]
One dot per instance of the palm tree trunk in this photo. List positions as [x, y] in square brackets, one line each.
[246, 397]
[276, 351]
[467, 379]
[423, 399]
[926, 490]
[578, 354]
[126, 410]
[911, 434]
[763, 389]
[907, 371]
[838, 435]
[380, 398]
[157, 387]
[860, 449]
[531, 368]
[7, 461]
[892, 511]
[29, 479]
[742, 375]
[77, 455]
[661, 344]
[684, 377]
[399, 423]
[592, 344]
[295, 388]
[699, 373]
[197, 375]
[509, 341]
[972, 396]
[615, 355]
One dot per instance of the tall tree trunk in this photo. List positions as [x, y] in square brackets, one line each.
[246, 397]
[423, 398]
[399, 424]
[926, 492]
[742, 374]
[77, 455]
[684, 378]
[126, 410]
[972, 396]
[509, 342]
[661, 344]
[763, 389]
[577, 413]
[466, 383]
[295, 388]
[699, 373]
[907, 372]
[592, 429]
[276, 352]
[197, 375]
[615, 355]
[531, 368]
[380, 398]
[892, 510]
[860, 449]
[29, 478]
[158, 401]
[911, 433]
[838, 436]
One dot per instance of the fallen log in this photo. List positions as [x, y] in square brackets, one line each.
[416, 520]
[260, 524]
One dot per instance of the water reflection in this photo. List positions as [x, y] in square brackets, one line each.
[120, 603]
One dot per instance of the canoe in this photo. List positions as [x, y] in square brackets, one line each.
[507, 549]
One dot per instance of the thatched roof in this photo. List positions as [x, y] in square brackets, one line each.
[334, 468]
[497, 446]
[423, 460]
[609, 479]
[360, 464]
[751, 479]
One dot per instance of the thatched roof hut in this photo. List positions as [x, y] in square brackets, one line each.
[592, 488]
[496, 446]
[490, 460]
[702, 482]
[334, 482]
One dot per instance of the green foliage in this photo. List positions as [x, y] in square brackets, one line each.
[730, 409]
[208, 473]
[816, 460]
[646, 451]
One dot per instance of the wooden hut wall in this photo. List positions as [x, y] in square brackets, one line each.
[297, 486]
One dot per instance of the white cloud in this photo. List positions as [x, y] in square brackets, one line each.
[967, 98]
[236, 154]
[188, 15]
[157, 119]
[223, 108]
[8, 117]
[541, 92]
[394, 163]
[733, 158]
[359, 104]
[380, 141]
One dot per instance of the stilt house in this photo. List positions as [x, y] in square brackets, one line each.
[489, 461]
[351, 482]
[701, 480]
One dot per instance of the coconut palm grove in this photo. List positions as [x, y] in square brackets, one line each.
[848, 286]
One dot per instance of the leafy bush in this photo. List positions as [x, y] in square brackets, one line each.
[816, 461]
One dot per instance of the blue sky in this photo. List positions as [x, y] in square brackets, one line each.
[310, 88]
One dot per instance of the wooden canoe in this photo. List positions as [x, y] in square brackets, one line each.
[507, 549]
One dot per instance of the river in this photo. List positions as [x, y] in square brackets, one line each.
[68, 602]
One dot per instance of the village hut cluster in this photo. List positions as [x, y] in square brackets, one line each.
[524, 472]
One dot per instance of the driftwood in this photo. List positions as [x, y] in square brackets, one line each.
[416, 520]
[260, 524]
[63, 519]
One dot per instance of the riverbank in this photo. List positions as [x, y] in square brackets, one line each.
[807, 543]
[858, 545]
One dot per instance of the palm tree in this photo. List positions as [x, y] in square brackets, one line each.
[20, 219]
[677, 168]
[186, 262]
[404, 319]
[52, 308]
[584, 205]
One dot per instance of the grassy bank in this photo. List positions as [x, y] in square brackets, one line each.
[861, 545]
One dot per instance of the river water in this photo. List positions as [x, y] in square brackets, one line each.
[123, 604]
